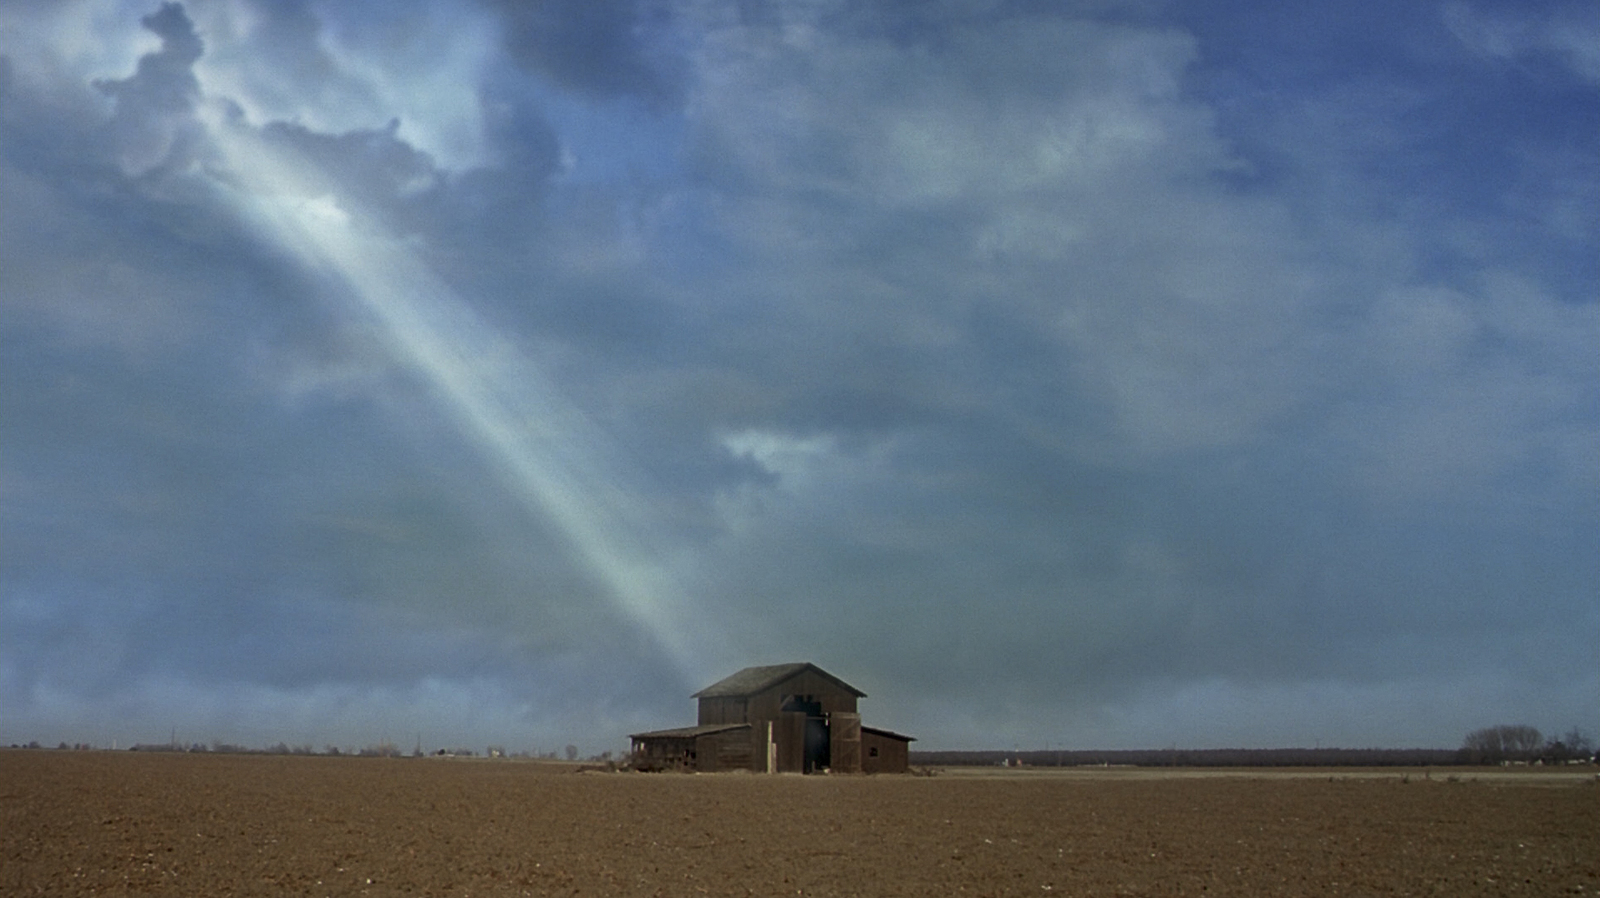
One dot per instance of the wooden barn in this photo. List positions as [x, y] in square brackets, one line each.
[782, 718]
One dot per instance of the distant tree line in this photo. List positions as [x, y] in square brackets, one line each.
[381, 750]
[1522, 744]
[1491, 745]
[1206, 757]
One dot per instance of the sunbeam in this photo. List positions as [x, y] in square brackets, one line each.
[557, 462]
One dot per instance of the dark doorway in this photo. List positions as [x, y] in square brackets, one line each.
[816, 748]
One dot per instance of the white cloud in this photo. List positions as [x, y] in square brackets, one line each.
[1578, 40]
[1571, 34]
[1174, 301]
[68, 44]
[312, 69]
[812, 476]
[791, 110]
[1460, 389]
[796, 461]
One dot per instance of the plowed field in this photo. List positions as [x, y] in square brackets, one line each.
[123, 823]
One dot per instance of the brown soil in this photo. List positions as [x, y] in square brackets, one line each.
[120, 823]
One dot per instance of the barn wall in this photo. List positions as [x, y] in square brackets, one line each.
[762, 735]
[789, 732]
[892, 755]
[764, 705]
[722, 709]
[731, 750]
[788, 728]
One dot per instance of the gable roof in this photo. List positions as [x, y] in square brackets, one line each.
[756, 679]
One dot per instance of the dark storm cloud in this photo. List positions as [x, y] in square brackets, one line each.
[609, 48]
[1204, 380]
[212, 482]
[1105, 374]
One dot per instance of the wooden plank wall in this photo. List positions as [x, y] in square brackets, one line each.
[844, 742]
[893, 755]
[729, 750]
[722, 709]
[789, 732]
[764, 705]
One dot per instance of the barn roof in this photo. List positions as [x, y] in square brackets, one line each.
[891, 734]
[691, 732]
[755, 679]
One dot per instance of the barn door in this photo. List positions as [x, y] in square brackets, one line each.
[844, 742]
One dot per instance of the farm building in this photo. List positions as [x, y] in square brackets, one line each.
[782, 718]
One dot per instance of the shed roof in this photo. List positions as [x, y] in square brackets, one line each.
[691, 732]
[891, 734]
[755, 679]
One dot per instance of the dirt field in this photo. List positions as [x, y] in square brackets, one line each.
[120, 823]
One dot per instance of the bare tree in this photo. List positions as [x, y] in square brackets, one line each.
[1574, 746]
[1492, 745]
[572, 752]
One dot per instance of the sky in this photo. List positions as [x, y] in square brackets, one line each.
[1084, 374]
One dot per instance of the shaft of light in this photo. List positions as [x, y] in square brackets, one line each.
[557, 462]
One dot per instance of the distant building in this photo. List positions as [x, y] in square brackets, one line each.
[783, 718]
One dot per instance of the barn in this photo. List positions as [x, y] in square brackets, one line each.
[780, 718]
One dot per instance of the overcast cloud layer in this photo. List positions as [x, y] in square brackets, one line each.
[1092, 374]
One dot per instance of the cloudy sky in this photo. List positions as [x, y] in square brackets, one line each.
[1099, 374]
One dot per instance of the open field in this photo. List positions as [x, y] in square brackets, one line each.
[122, 823]
[1574, 775]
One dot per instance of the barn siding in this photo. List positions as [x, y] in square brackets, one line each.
[733, 751]
[884, 754]
[723, 709]
[764, 705]
[788, 727]
[789, 732]
[844, 733]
